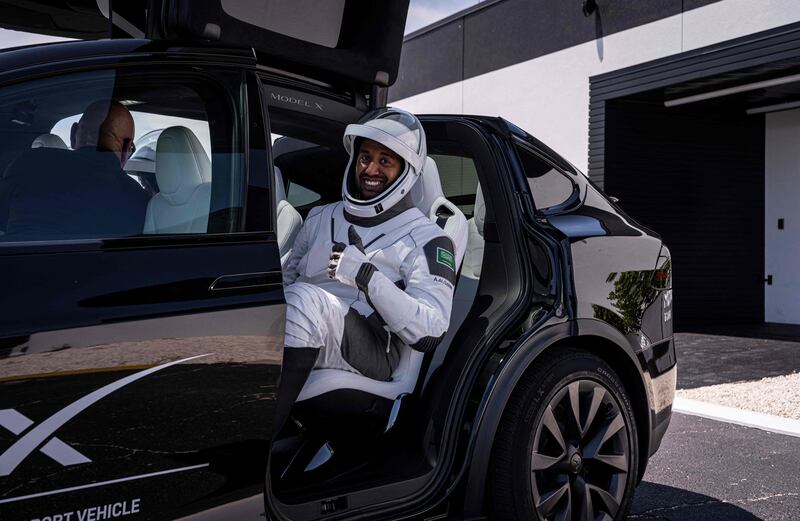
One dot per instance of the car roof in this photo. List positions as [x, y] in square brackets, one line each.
[14, 59]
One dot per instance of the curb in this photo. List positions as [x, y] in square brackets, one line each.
[766, 422]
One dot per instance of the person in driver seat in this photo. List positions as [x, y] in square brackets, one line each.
[370, 273]
[54, 193]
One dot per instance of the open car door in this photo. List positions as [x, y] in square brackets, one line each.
[349, 44]
[79, 19]
[346, 43]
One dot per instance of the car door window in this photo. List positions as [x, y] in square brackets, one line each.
[299, 196]
[459, 180]
[550, 187]
[118, 153]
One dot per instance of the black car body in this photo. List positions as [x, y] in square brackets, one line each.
[138, 373]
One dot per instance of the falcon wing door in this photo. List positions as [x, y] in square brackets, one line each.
[348, 43]
[80, 19]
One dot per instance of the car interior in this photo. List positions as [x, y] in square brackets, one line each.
[350, 432]
[188, 193]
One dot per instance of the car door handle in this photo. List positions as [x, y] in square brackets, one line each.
[247, 282]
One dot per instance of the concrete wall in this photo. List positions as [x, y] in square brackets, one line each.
[782, 194]
[549, 95]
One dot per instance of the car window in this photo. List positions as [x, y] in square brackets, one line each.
[118, 153]
[298, 195]
[549, 186]
[459, 180]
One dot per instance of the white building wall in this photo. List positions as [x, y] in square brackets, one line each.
[549, 96]
[782, 192]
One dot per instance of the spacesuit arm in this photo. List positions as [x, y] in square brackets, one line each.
[420, 314]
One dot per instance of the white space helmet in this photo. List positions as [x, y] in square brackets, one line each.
[400, 132]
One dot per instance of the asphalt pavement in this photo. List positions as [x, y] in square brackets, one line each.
[712, 471]
[728, 355]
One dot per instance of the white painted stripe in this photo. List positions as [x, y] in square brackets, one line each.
[14, 421]
[102, 483]
[766, 422]
[63, 453]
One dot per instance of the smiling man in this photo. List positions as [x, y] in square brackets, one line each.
[376, 168]
[371, 274]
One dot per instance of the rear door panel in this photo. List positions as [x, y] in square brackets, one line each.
[138, 375]
[181, 436]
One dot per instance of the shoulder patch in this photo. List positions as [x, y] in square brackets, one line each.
[441, 259]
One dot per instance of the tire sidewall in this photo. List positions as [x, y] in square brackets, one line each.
[541, 388]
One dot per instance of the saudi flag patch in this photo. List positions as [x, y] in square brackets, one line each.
[445, 258]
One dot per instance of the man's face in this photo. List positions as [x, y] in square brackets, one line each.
[107, 125]
[376, 168]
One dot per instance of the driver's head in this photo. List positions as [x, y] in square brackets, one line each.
[376, 168]
[387, 153]
[105, 125]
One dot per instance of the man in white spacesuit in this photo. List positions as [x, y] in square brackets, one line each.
[371, 273]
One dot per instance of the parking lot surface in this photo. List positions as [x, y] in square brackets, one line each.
[713, 471]
[728, 355]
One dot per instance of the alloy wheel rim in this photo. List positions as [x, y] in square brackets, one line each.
[580, 456]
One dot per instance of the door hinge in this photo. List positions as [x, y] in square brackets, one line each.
[768, 280]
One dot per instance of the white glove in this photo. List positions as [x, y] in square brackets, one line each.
[346, 262]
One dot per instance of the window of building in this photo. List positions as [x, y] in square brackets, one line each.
[73, 167]
[549, 186]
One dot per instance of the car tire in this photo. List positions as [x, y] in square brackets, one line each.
[551, 462]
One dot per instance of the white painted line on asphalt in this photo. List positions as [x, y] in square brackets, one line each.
[766, 422]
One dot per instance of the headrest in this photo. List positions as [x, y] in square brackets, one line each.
[428, 187]
[479, 213]
[181, 164]
[280, 191]
[48, 141]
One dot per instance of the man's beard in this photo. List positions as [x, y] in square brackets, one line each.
[372, 186]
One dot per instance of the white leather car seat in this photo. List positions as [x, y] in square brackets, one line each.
[48, 141]
[428, 196]
[467, 286]
[474, 257]
[430, 199]
[183, 172]
[288, 221]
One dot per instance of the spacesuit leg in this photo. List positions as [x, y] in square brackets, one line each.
[347, 340]
[314, 324]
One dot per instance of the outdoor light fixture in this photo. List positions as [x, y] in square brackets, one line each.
[589, 7]
[732, 90]
[773, 108]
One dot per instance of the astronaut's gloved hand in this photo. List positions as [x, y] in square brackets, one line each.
[349, 265]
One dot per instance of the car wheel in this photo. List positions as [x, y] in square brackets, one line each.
[566, 448]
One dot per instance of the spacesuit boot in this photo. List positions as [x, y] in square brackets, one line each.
[297, 365]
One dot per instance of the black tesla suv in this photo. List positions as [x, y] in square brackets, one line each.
[142, 308]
